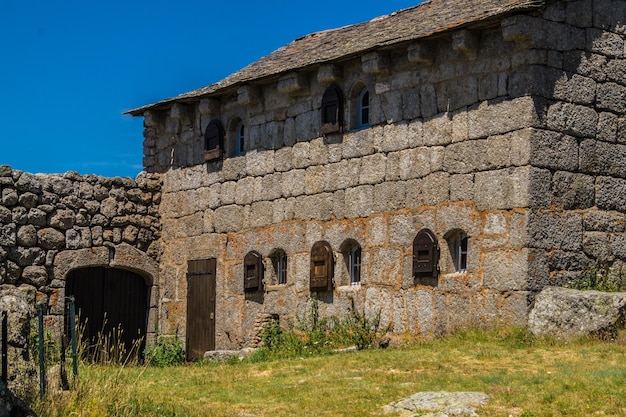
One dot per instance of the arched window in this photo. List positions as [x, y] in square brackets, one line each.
[457, 243]
[321, 267]
[253, 271]
[425, 255]
[332, 110]
[240, 143]
[363, 109]
[354, 261]
[279, 262]
[213, 140]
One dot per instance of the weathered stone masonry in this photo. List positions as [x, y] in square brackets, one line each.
[53, 224]
[510, 129]
[502, 121]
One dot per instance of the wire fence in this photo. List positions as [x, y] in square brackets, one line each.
[68, 338]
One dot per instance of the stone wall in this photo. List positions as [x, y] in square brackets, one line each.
[448, 148]
[511, 132]
[579, 146]
[51, 224]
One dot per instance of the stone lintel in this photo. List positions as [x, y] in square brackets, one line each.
[466, 42]
[374, 63]
[150, 119]
[247, 95]
[327, 74]
[293, 83]
[177, 111]
[517, 29]
[419, 53]
[209, 106]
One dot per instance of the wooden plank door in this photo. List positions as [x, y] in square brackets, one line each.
[200, 307]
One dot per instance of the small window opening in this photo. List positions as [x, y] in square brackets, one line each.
[213, 140]
[364, 109]
[279, 262]
[253, 271]
[460, 245]
[240, 146]
[355, 265]
[322, 267]
[425, 255]
[332, 110]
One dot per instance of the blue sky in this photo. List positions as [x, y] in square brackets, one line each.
[70, 68]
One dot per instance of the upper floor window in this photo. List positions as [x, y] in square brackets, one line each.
[332, 110]
[213, 140]
[279, 262]
[240, 143]
[364, 109]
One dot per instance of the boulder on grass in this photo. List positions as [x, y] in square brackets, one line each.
[565, 313]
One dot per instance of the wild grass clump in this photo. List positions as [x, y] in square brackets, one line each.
[166, 352]
[601, 277]
[316, 335]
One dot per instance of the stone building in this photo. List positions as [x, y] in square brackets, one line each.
[439, 165]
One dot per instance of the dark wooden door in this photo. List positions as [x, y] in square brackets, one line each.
[111, 303]
[200, 307]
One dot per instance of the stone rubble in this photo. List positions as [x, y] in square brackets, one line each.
[440, 404]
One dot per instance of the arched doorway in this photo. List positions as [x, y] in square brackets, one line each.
[112, 305]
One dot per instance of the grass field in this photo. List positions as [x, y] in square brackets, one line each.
[523, 376]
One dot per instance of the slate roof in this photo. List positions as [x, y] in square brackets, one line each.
[423, 20]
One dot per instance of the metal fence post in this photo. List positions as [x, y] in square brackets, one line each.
[5, 363]
[72, 318]
[42, 368]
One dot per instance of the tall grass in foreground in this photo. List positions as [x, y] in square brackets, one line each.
[523, 375]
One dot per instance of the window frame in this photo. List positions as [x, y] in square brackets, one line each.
[213, 141]
[321, 256]
[461, 242]
[361, 124]
[280, 262]
[253, 261]
[332, 110]
[240, 139]
[354, 261]
[426, 255]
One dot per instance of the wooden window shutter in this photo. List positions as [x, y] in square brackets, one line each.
[425, 254]
[332, 110]
[253, 271]
[213, 140]
[321, 267]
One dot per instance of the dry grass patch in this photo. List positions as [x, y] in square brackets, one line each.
[523, 376]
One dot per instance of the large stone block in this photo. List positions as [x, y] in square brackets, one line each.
[259, 162]
[611, 96]
[511, 188]
[600, 220]
[359, 201]
[611, 193]
[603, 158]
[506, 270]
[228, 218]
[314, 207]
[555, 230]
[572, 119]
[565, 313]
[553, 150]
[389, 196]
[573, 191]
[501, 116]
[393, 138]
